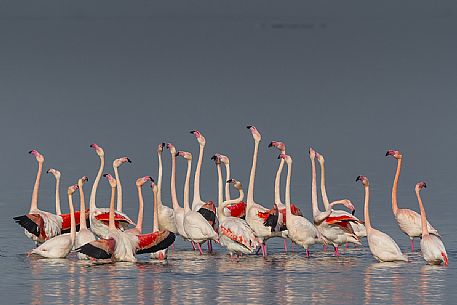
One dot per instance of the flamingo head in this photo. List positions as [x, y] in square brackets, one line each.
[171, 148]
[255, 133]
[200, 138]
[154, 187]
[55, 172]
[286, 158]
[111, 180]
[185, 154]
[160, 147]
[319, 157]
[98, 150]
[82, 180]
[362, 179]
[312, 153]
[394, 153]
[224, 159]
[279, 145]
[39, 157]
[118, 162]
[348, 204]
[140, 181]
[420, 186]
[236, 184]
[216, 158]
[72, 189]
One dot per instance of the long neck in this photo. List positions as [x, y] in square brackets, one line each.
[174, 198]
[139, 223]
[111, 225]
[197, 197]
[72, 220]
[395, 186]
[250, 199]
[289, 175]
[220, 197]
[93, 193]
[82, 210]
[186, 186]
[119, 189]
[278, 182]
[227, 185]
[314, 189]
[155, 226]
[423, 216]
[367, 200]
[159, 179]
[36, 186]
[58, 211]
[323, 189]
[236, 200]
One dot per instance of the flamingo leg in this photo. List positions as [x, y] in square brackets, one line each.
[258, 250]
[325, 248]
[193, 246]
[412, 245]
[337, 253]
[292, 247]
[210, 246]
[347, 245]
[307, 253]
[199, 248]
[173, 246]
[285, 245]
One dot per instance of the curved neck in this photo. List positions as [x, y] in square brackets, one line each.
[93, 193]
[58, 211]
[186, 186]
[287, 198]
[227, 185]
[119, 189]
[423, 215]
[111, 225]
[367, 200]
[250, 199]
[155, 226]
[159, 179]
[82, 210]
[323, 189]
[36, 186]
[314, 189]
[278, 181]
[220, 197]
[139, 223]
[72, 220]
[395, 186]
[197, 197]
[174, 198]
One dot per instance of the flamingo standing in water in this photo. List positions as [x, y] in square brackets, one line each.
[408, 220]
[84, 235]
[99, 217]
[300, 230]
[60, 246]
[382, 246]
[39, 225]
[335, 231]
[165, 215]
[116, 164]
[118, 246]
[432, 247]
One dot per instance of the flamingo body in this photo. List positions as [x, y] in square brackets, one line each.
[56, 247]
[167, 219]
[83, 237]
[383, 247]
[197, 227]
[236, 210]
[410, 223]
[433, 250]
[40, 225]
[154, 242]
[237, 236]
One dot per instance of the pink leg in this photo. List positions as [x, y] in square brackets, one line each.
[347, 245]
[336, 251]
[307, 253]
[325, 248]
[412, 245]
[292, 247]
[285, 245]
[193, 246]
[210, 246]
[199, 248]
[173, 246]
[258, 250]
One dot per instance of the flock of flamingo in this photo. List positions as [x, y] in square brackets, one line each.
[108, 234]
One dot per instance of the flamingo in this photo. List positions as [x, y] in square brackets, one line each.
[333, 230]
[166, 215]
[299, 229]
[137, 230]
[408, 220]
[256, 214]
[84, 235]
[60, 246]
[39, 225]
[100, 216]
[432, 247]
[116, 164]
[339, 215]
[234, 233]
[118, 246]
[197, 228]
[237, 209]
[57, 175]
[382, 246]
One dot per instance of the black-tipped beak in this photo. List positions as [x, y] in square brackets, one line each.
[177, 154]
[249, 126]
[353, 212]
[271, 144]
[425, 185]
[358, 178]
[192, 131]
[104, 175]
[213, 157]
[230, 181]
[387, 153]
[47, 172]
[30, 151]
[129, 161]
[163, 145]
[150, 178]
[279, 157]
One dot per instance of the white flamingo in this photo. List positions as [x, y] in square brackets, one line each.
[116, 163]
[137, 230]
[84, 235]
[300, 230]
[382, 246]
[408, 220]
[56, 175]
[60, 246]
[432, 246]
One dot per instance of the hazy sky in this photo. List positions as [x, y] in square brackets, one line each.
[350, 79]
